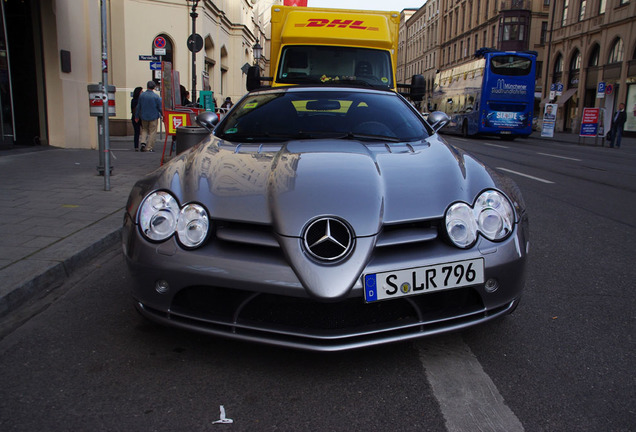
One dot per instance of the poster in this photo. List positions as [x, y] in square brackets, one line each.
[630, 108]
[589, 122]
[549, 120]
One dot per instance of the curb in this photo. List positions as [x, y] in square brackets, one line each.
[45, 273]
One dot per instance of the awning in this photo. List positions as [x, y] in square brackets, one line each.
[567, 95]
[562, 99]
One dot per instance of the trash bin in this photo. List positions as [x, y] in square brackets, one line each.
[189, 136]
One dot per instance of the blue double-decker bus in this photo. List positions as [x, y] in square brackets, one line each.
[491, 95]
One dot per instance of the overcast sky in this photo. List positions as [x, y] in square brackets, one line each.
[396, 5]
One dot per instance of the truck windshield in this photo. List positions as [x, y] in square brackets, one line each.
[304, 64]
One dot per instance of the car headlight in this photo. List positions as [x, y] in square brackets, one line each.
[491, 216]
[160, 216]
[192, 226]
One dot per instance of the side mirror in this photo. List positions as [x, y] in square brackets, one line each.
[253, 78]
[438, 120]
[208, 120]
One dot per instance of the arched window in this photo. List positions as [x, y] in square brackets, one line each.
[617, 52]
[557, 73]
[575, 67]
[558, 64]
[594, 56]
[575, 62]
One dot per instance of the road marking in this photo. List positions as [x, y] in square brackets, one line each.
[468, 398]
[496, 145]
[525, 175]
[560, 157]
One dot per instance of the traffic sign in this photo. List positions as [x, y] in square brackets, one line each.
[159, 42]
[195, 43]
[160, 51]
[155, 65]
[559, 89]
[148, 58]
[600, 91]
[609, 89]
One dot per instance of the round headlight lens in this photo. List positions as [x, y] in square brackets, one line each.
[158, 216]
[495, 216]
[492, 216]
[192, 228]
[460, 225]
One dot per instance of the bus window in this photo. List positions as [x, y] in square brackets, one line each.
[510, 65]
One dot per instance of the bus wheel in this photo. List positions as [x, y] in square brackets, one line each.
[465, 129]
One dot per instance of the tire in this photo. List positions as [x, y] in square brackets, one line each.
[465, 129]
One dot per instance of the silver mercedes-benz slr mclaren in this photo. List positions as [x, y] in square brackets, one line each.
[325, 218]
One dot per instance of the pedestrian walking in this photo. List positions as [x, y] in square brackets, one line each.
[135, 122]
[149, 112]
[618, 125]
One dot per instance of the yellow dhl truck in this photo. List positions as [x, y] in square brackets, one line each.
[333, 46]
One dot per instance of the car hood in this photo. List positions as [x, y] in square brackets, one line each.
[286, 186]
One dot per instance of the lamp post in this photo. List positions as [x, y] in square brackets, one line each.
[194, 16]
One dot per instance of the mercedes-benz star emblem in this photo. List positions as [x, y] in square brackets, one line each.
[328, 239]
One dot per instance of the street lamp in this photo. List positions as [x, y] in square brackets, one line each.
[194, 16]
[258, 52]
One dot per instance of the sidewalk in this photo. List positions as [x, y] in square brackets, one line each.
[56, 215]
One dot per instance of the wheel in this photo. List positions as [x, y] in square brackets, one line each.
[465, 129]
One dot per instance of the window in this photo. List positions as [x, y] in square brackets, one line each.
[513, 29]
[616, 53]
[594, 56]
[582, 10]
[546, 2]
[564, 16]
[575, 63]
[558, 64]
[494, 35]
[622, 2]
[544, 32]
[601, 7]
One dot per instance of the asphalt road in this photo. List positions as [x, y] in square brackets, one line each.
[564, 361]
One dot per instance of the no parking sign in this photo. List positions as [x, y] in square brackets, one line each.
[159, 45]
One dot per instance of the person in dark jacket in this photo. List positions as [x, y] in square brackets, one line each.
[618, 125]
[135, 122]
[149, 112]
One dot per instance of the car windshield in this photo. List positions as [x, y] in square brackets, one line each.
[283, 115]
[332, 64]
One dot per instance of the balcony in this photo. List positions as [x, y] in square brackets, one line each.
[515, 5]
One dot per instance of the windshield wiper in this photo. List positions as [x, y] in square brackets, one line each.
[369, 137]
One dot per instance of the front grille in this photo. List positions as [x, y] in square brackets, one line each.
[308, 324]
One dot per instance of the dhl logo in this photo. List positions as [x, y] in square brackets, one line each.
[321, 22]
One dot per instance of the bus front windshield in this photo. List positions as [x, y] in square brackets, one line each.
[510, 65]
[301, 64]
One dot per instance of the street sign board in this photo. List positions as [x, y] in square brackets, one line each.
[155, 65]
[589, 122]
[159, 42]
[148, 58]
[600, 90]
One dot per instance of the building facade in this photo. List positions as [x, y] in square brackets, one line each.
[50, 50]
[592, 41]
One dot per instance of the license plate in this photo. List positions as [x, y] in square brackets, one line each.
[420, 280]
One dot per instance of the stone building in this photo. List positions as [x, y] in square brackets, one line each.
[592, 41]
[50, 50]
